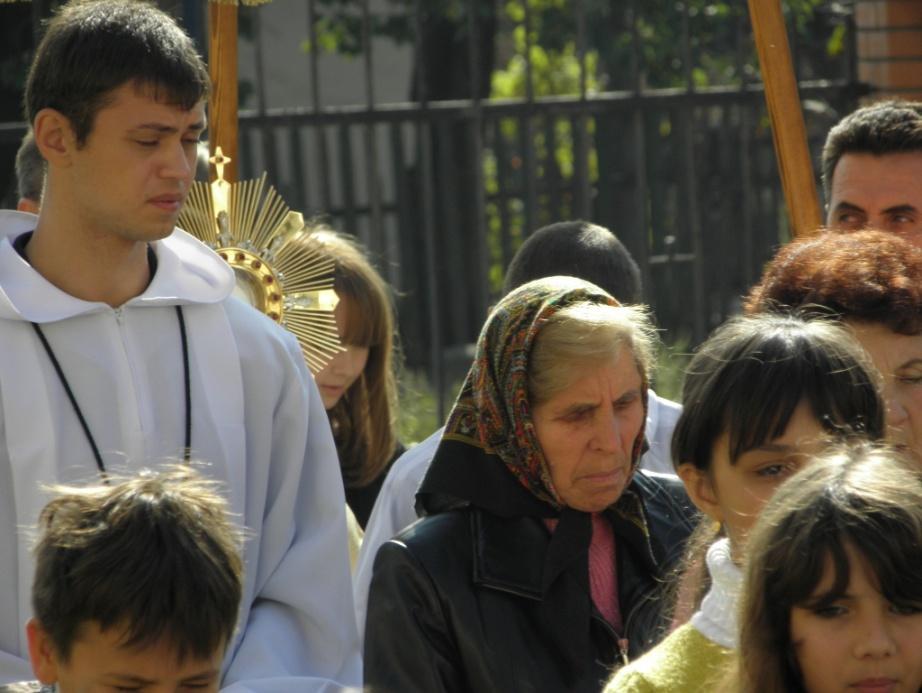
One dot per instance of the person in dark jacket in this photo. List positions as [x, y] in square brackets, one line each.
[539, 561]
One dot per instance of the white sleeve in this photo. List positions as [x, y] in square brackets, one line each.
[300, 627]
[394, 509]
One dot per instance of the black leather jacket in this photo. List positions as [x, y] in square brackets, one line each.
[456, 600]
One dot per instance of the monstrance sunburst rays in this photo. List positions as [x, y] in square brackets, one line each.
[250, 226]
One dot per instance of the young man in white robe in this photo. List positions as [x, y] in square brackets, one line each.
[122, 347]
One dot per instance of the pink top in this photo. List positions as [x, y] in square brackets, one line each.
[603, 572]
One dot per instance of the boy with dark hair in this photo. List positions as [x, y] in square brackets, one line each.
[122, 341]
[872, 165]
[136, 585]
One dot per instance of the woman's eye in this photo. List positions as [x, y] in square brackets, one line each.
[575, 416]
[147, 143]
[911, 379]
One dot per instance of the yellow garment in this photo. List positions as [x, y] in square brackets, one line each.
[685, 662]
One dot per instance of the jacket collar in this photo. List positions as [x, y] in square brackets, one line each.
[510, 554]
[187, 272]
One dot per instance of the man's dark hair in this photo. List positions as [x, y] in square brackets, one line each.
[91, 48]
[30, 169]
[576, 249]
[155, 557]
[887, 127]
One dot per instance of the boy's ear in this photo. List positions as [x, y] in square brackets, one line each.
[42, 653]
[700, 489]
[54, 136]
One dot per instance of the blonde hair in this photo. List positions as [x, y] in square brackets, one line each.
[587, 333]
[364, 419]
[861, 495]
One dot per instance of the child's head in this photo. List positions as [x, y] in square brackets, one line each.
[833, 588]
[358, 386]
[136, 581]
[759, 395]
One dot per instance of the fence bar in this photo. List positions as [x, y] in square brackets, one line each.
[270, 161]
[299, 191]
[746, 123]
[642, 249]
[552, 184]
[348, 177]
[603, 103]
[424, 156]
[528, 148]
[582, 196]
[476, 139]
[326, 197]
[502, 194]
[376, 231]
[691, 185]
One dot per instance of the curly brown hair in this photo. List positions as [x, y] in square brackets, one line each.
[866, 276]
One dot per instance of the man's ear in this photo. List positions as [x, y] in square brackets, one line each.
[700, 489]
[54, 136]
[42, 653]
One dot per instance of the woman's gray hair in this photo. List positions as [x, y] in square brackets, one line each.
[587, 334]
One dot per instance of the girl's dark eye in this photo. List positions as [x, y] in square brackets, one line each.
[830, 611]
[906, 609]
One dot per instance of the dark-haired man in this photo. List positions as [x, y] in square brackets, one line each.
[573, 248]
[121, 342]
[872, 170]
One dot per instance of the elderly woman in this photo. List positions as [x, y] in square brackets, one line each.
[538, 563]
[873, 282]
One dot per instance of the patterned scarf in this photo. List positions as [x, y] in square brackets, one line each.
[493, 412]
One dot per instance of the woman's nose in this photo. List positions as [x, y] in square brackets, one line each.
[607, 430]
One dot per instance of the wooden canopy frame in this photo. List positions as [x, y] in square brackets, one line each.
[788, 130]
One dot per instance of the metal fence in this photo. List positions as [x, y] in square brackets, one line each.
[443, 191]
[444, 186]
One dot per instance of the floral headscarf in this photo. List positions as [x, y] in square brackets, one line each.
[493, 411]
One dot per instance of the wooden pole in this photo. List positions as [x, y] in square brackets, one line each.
[788, 130]
[222, 65]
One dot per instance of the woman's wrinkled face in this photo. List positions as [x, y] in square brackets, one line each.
[587, 432]
[344, 368]
[898, 357]
[859, 642]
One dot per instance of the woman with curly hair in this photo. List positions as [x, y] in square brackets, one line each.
[872, 281]
[358, 386]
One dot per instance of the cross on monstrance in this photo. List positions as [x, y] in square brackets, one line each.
[220, 188]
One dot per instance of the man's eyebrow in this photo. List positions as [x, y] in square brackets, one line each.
[848, 206]
[901, 209]
[169, 129]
